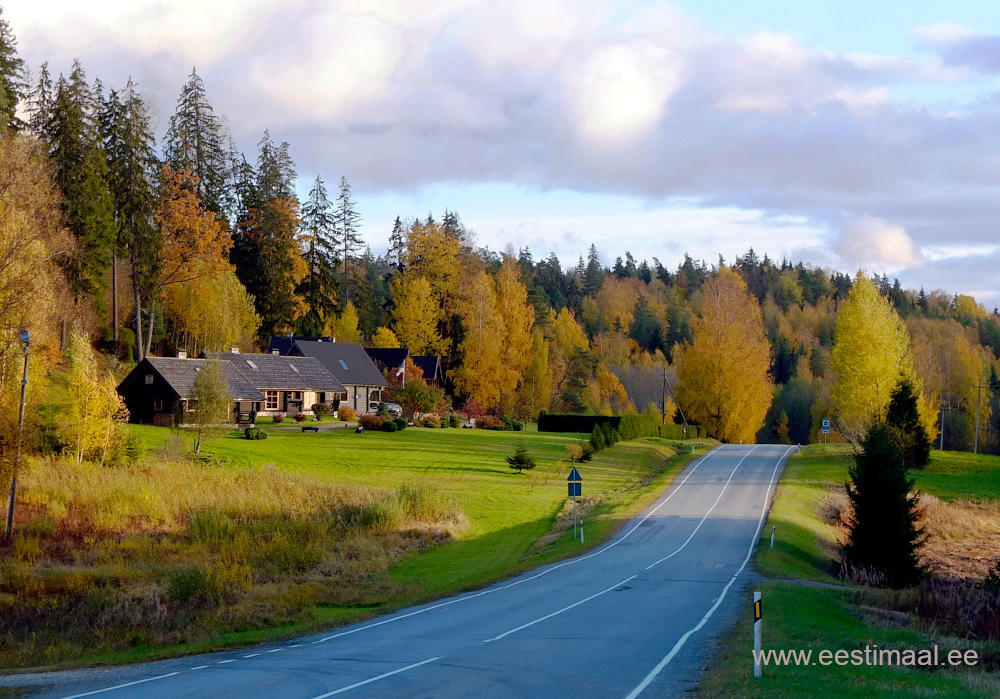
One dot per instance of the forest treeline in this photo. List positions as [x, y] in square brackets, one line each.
[189, 243]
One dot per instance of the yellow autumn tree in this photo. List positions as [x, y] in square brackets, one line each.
[516, 315]
[384, 338]
[344, 328]
[211, 314]
[479, 374]
[415, 314]
[535, 392]
[871, 351]
[724, 384]
[93, 409]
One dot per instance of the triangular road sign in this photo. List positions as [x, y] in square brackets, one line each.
[574, 475]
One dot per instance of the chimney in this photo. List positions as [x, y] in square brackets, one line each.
[234, 350]
[275, 352]
[182, 354]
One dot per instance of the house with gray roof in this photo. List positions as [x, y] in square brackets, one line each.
[348, 362]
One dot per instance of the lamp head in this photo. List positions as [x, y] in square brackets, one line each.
[25, 337]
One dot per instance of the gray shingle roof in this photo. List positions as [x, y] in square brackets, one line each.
[286, 373]
[347, 361]
[181, 373]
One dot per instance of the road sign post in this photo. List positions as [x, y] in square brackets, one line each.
[826, 429]
[575, 483]
[757, 621]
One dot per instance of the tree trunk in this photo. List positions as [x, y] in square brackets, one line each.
[149, 330]
[114, 298]
[138, 311]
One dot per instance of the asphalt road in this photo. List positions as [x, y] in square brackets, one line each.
[635, 616]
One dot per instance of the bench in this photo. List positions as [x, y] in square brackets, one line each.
[310, 429]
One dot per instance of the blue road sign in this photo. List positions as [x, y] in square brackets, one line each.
[826, 425]
[575, 483]
[574, 475]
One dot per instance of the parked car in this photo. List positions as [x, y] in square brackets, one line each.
[395, 409]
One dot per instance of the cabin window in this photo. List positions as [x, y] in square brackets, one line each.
[272, 400]
[158, 404]
[149, 379]
[296, 395]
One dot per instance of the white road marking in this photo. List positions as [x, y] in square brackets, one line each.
[200, 667]
[252, 655]
[721, 493]
[274, 650]
[120, 686]
[556, 613]
[683, 639]
[492, 590]
[376, 679]
[223, 662]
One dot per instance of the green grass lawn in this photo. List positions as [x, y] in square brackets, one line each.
[801, 617]
[507, 512]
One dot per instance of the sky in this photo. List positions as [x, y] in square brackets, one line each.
[845, 134]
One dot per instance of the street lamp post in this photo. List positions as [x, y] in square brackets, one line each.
[24, 337]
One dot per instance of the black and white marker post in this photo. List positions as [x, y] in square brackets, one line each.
[757, 621]
[575, 484]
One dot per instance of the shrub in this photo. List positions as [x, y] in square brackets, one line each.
[278, 419]
[301, 417]
[135, 448]
[588, 451]
[431, 421]
[400, 423]
[389, 426]
[423, 502]
[574, 423]
[371, 422]
[188, 584]
[382, 515]
[320, 410]
[454, 420]
[512, 425]
[383, 410]
[254, 433]
[488, 422]
[597, 439]
[346, 413]
[211, 527]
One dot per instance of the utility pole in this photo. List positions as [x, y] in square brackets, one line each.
[941, 443]
[674, 399]
[8, 531]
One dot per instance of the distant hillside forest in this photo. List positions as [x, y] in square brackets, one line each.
[187, 243]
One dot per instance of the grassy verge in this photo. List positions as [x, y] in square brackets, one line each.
[261, 540]
[804, 617]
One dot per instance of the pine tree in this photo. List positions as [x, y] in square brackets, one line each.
[319, 287]
[593, 277]
[522, 458]
[13, 77]
[196, 141]
[82, 174]
[346, 222]
[883, 535]
[396, 256]
[40, 105]
[128, 140]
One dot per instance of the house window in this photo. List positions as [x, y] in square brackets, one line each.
[158, 404]
[321, 397]
[149, 379]
[272, 400]
[296, 395]
[343, 364]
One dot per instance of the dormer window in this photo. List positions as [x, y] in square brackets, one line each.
[149, 379]
[252, 365]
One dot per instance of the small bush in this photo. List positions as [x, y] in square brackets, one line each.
[371, 422]
[454, 420]
[488, 422]
[423, 502]
[382, 515]
[320, 410]
[301, 417]
[190, 584]
[588, 451]
[383, 410]
[346, 413]
[389, 426]
[254, 433]
[432, 422]
[512, 425]
[278, 419]
[135, 448]
[211, 527]
[400, 423]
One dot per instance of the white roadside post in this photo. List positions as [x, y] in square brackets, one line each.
[757, 621]
[772, 536]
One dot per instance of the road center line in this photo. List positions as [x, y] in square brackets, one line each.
[683, 639]
[721, 493]
[376, 679]
[560, 611]
[528, 579]
[121, 686]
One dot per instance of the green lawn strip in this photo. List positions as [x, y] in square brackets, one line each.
[957, 475]
[805, 618]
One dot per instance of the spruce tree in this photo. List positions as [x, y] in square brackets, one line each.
[346, 222]
[903, 419]
[883, 535]
[197, 142]
[13, 77]
[319, 287]
[41, 100]
[396, 256]
[81, 172]
[521, 459]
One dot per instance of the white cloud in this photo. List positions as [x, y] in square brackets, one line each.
[944, 33]
[870, 241]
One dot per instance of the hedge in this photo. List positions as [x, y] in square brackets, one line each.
[575, 423]
[676, 432]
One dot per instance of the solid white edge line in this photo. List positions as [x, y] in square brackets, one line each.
[376, 679]
[121, 686]
[721, 493]
[557, 613]
[683, 639]
[573, 561]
